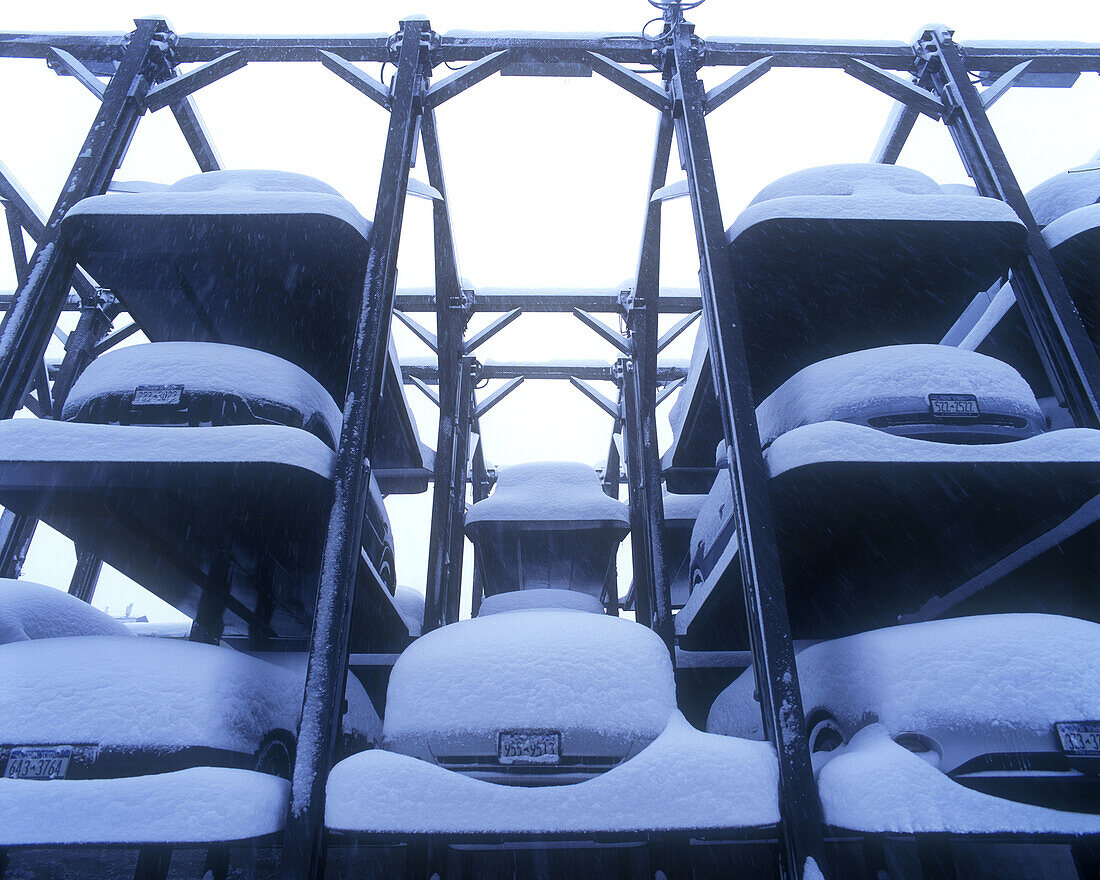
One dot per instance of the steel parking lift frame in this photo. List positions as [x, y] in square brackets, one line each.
[143, 74]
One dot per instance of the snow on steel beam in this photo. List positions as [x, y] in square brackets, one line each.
[674, 300]
[547, 48]
[207, 47]
[178, 88]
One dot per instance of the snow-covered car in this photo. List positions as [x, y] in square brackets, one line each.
[534, 691]
[103, 707]
[35, 611]
[922, 392]
[1005, 704]
[192, 384]
[548, 524]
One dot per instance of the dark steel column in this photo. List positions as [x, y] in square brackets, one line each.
[27, 327]
[639, 523]
[96, 317]
[765, 602]
[85, 575]
[328, 654]
[451, 317]
[642, 310]
[1050, 315]
[16, 534]
[452, 585]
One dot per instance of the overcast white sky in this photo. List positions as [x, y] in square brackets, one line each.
[546, 178]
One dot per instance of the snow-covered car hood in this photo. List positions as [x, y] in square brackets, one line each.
[896, 380]
[594, 678]
[208, 368]
[140, 692]
[997, 682]
[35, 611]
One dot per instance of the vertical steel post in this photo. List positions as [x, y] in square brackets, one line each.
[801, 830]
[452, 587]
[85, 575]
[642, 310]
[16, 534]
[96, 317]
[328, 654]
[27, 327]
[639, 525]
[1067, 354]
[450, 319]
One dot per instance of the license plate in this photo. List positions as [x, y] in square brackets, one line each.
[529, 747]
[38, 762]
[1080, 739]
[954, 406]
[157, 395]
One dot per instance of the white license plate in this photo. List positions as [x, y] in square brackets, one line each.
[38, 762]
[954, 406]
[157, 395]
[1080, 739]
[529, 747]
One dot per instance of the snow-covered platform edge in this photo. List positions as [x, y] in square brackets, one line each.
[198, 805]
[874, 785]
[844, 442]
[684, 780]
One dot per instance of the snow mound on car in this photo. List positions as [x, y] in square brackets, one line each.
[875, 785]
[540, 669]
[1021, 671]
[682, 780]
[897, 378]
[526, 600]
[548, 491]
[143, 692]
[207, 367]
[35, 611]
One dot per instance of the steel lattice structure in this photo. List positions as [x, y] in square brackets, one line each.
[142, 70]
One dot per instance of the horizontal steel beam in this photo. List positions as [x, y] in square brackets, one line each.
[674, 300]
[593, 371]
[565, 49]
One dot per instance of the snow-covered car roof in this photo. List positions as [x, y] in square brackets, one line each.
[529, 600]
[547, 668]
[35, 611]
[138, 692]
[549, 491]
[1065, 192]
[894, 378]
[1019, 672]
[206, 367]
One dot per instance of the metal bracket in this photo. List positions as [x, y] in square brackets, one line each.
[666, 392]
[427, 389]
[604, 331]
[422, 333]
[470, 75]
[356, 78]
[66, 64]
[179, 87]
[899, 89]
[612, 409]
[637, 85]
[1004, 82]
[737, 83]
[490, 331]
[497, 396]
[676, 329]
